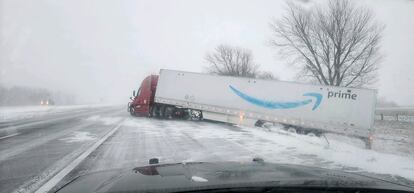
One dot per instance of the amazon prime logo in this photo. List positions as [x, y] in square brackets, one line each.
[311, 97]
[342, 95]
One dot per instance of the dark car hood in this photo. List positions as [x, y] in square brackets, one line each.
[205, 175]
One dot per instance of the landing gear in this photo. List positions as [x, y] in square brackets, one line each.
[168, 112]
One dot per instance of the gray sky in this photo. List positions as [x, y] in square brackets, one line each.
[103, 49]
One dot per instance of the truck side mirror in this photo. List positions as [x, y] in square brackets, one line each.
[133, 93]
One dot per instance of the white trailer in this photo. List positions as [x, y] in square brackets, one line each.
[245, 101]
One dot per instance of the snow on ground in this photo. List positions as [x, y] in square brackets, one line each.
[25, 112]
[395, 137]
[106, 120]
[276, 145]
[336, 155]
[79, 136]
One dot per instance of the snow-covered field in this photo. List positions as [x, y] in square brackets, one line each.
[395, 137]
[26, 112]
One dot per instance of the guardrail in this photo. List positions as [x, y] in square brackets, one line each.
[398, 113]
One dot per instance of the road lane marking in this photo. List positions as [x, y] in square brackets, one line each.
[32, 143]
[11, 135]
[59, 176]
[37, 141]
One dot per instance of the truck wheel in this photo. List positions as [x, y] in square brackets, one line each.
[132, 111]
[154, 110]
[291, 130]
[259, 123]
[151, 112]
[162, 111]
[195, 115]
[129, 107]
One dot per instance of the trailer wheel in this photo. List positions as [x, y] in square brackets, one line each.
[196, 115]
[311, 134]
[291, 130]
[259, 123]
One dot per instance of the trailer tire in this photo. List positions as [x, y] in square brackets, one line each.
[196, 115]
[259, 123]
[292, 130]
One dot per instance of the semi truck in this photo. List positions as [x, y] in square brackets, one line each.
[307, 108]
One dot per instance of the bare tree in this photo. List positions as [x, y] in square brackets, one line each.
[266, 75]
[337, 44]
[231, 61]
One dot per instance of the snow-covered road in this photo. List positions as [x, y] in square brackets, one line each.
[30, 159]
[140, 139]
[33, 150]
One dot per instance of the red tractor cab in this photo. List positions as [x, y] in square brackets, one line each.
[143, 99]
[143, 103]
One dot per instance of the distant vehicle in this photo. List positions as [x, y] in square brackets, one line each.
[255, 176]
[47, 102]
[309, 109]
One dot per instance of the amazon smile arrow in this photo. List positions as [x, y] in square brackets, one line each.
[316, 97]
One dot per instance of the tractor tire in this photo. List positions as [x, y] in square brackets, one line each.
[132, 111]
